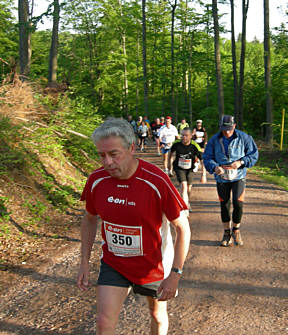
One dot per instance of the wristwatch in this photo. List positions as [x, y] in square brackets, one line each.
[242, 162]
[177, 270]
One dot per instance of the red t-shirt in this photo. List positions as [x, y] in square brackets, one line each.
[135, 231]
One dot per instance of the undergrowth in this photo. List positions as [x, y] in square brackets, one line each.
[272, 166]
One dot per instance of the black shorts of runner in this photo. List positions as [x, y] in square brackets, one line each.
[143, 139]
[184, 175]
[110, 277]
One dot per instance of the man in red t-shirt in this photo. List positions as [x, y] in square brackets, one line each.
[135, 201]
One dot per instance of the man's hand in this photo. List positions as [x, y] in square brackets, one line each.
[168, 288]
[83, 277]
[236, 165]
[219, 170]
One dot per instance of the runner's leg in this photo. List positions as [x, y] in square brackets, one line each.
[224, 194]
[184, 192]
[203, 179]
[238, 192]
[159, 316]
[109, 302]
[165, 161]
[158, 145]
[189, 177]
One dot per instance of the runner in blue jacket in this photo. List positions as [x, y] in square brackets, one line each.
[227, 155]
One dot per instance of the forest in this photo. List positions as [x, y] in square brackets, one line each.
[114, 58]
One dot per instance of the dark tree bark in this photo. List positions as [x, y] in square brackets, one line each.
[268, 84]
[52, 71]
[24, 39]
[234, 63]
[173, 9]
[245, 6]
[220, 92]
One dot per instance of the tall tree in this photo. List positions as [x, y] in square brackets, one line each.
[220, 92]
[25, 26]
[125, 75]
[52, 70]
[234, 64]
[245, 6]
[173, 9]
[144, 56]
[268, 84]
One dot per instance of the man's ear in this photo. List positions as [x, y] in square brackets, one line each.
[132, 148]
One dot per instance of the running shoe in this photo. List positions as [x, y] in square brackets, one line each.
[227, 240]
[170, 173]
[237, 236]
[166, 171]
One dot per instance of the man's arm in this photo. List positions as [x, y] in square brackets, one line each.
[209, 158]
[251, 154]
[168, 287]
[88, 233]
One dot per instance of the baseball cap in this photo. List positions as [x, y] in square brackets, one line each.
[199, 121]
[168, 118]
[227, 122]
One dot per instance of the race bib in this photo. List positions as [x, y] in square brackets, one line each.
[229, 173]
[185, 163]
[125, 241]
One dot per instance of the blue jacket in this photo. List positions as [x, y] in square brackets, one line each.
[242, 147]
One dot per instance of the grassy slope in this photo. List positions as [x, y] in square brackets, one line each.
[40, 180]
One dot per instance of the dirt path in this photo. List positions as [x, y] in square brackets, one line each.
[235, 291]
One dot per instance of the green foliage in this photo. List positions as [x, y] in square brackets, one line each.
[60, 196]
[95, 63]
[11, 155]
[4, 213]
[8, 38]
[273, 167]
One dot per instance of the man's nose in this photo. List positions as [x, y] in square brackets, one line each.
[107, 160]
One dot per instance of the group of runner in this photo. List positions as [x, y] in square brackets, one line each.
[181, 141]
[137, 250]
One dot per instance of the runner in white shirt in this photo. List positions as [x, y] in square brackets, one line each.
[167, 135]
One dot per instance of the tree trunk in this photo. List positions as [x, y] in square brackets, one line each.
[137, 76]
[234, 62]
[52, 71]
[145, 80]
[218, 60]
[125, 79]
[189, 79]
[268, 84]
[245, 6]
[172, 59]
[24, 39]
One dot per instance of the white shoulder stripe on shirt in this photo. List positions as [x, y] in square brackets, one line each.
[97, 181]
[152, 185]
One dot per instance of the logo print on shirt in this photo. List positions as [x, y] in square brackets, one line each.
[118, 201]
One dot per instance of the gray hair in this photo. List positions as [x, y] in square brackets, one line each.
[115, 127]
